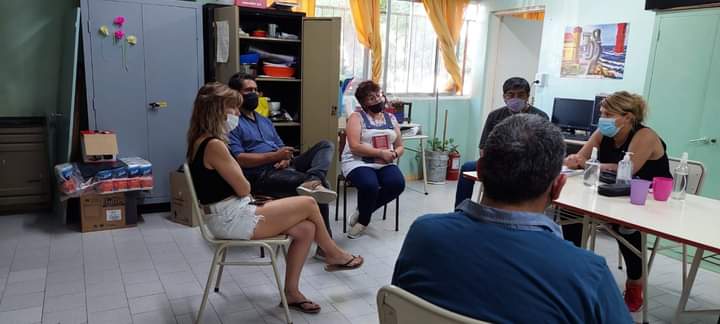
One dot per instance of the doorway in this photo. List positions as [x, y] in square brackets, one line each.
[514, 51]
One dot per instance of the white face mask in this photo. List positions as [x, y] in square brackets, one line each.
[232, 122]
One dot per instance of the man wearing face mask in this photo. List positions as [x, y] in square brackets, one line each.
[269, 165]
[516, 92]
[512, 254]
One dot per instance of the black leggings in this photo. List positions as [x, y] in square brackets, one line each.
[633, 263]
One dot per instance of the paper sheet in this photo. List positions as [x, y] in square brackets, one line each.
[222, 30]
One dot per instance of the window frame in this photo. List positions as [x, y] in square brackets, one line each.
[462, 60]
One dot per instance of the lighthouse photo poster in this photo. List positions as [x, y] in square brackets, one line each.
[595, 51]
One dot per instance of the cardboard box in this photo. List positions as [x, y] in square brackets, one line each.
[99, 146]
[181, 205]
[102, 212]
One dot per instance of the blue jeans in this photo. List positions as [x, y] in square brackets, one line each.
[375, 188]
[465, 186]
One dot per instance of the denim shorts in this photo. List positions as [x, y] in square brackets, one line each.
[233, 218]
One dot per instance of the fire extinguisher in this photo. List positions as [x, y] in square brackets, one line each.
[453, 166]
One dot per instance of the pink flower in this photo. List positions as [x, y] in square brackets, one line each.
[119, 34]
[119, 20]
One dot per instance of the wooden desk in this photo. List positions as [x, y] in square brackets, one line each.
[693, 222]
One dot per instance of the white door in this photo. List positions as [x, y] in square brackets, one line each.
[518, 53]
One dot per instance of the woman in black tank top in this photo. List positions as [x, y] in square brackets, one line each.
[222, 187]
[621, 130]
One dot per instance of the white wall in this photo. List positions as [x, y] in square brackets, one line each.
[518, 51]
[558, 15]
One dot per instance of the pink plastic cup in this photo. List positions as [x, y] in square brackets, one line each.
[662, 188]
[639, 191]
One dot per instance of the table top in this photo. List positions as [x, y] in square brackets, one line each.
[575, 142]
[694, 221]
[415, 137]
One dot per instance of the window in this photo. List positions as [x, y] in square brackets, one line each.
[409, 47]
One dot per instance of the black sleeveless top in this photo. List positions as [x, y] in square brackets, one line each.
[209, 184]
[608, 153]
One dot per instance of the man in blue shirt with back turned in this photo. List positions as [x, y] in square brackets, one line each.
[503, 260]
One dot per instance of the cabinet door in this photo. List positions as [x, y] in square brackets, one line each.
[320, 83]
[116, 78]
[173, 63]
[23, 169]
[223, 71]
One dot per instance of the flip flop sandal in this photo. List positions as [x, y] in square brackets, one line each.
[344, 267]
[299, 307]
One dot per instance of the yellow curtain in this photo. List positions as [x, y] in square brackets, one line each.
[538, 15]
[366, 18]
[446, 17]
[306, 6]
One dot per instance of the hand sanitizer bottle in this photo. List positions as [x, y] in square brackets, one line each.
[592, 169]
[680, 178]
[624, 170]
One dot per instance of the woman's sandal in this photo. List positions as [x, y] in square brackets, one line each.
[346, 266]
[299, 307]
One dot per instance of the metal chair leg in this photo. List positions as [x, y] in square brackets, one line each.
[656, 245]
[213, 268]
[220, 270]
[620, 260]
[283, 298]
[337, 199]
[345, 207]
[397, 214]
[385, 212]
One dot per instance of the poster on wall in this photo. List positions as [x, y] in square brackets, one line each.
[595, 51]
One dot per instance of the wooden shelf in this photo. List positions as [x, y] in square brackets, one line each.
[286, 124]
[270, 39]
[271, 79]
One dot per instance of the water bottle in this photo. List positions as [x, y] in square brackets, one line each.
[624, 170]
[592, 170]
[680, 178]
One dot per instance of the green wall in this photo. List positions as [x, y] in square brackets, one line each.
[30, 31]
[423, 112]
[560, 14]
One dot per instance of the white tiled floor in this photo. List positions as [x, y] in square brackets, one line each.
[155, 273]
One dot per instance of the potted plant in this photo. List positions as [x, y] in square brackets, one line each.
[436, 158]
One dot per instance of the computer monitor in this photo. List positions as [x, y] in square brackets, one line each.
[573, 114]
[596, 109]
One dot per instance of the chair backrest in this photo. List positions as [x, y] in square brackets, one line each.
[696, 174]
[397, 306]
[342, 140]
[196, 205]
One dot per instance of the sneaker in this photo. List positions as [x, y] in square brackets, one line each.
[316, 190]
[354, 218]
[633, 297]
[356, 231]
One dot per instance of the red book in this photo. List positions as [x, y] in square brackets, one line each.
[381, 142]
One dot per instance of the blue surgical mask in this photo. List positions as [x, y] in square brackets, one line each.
[607, 127]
